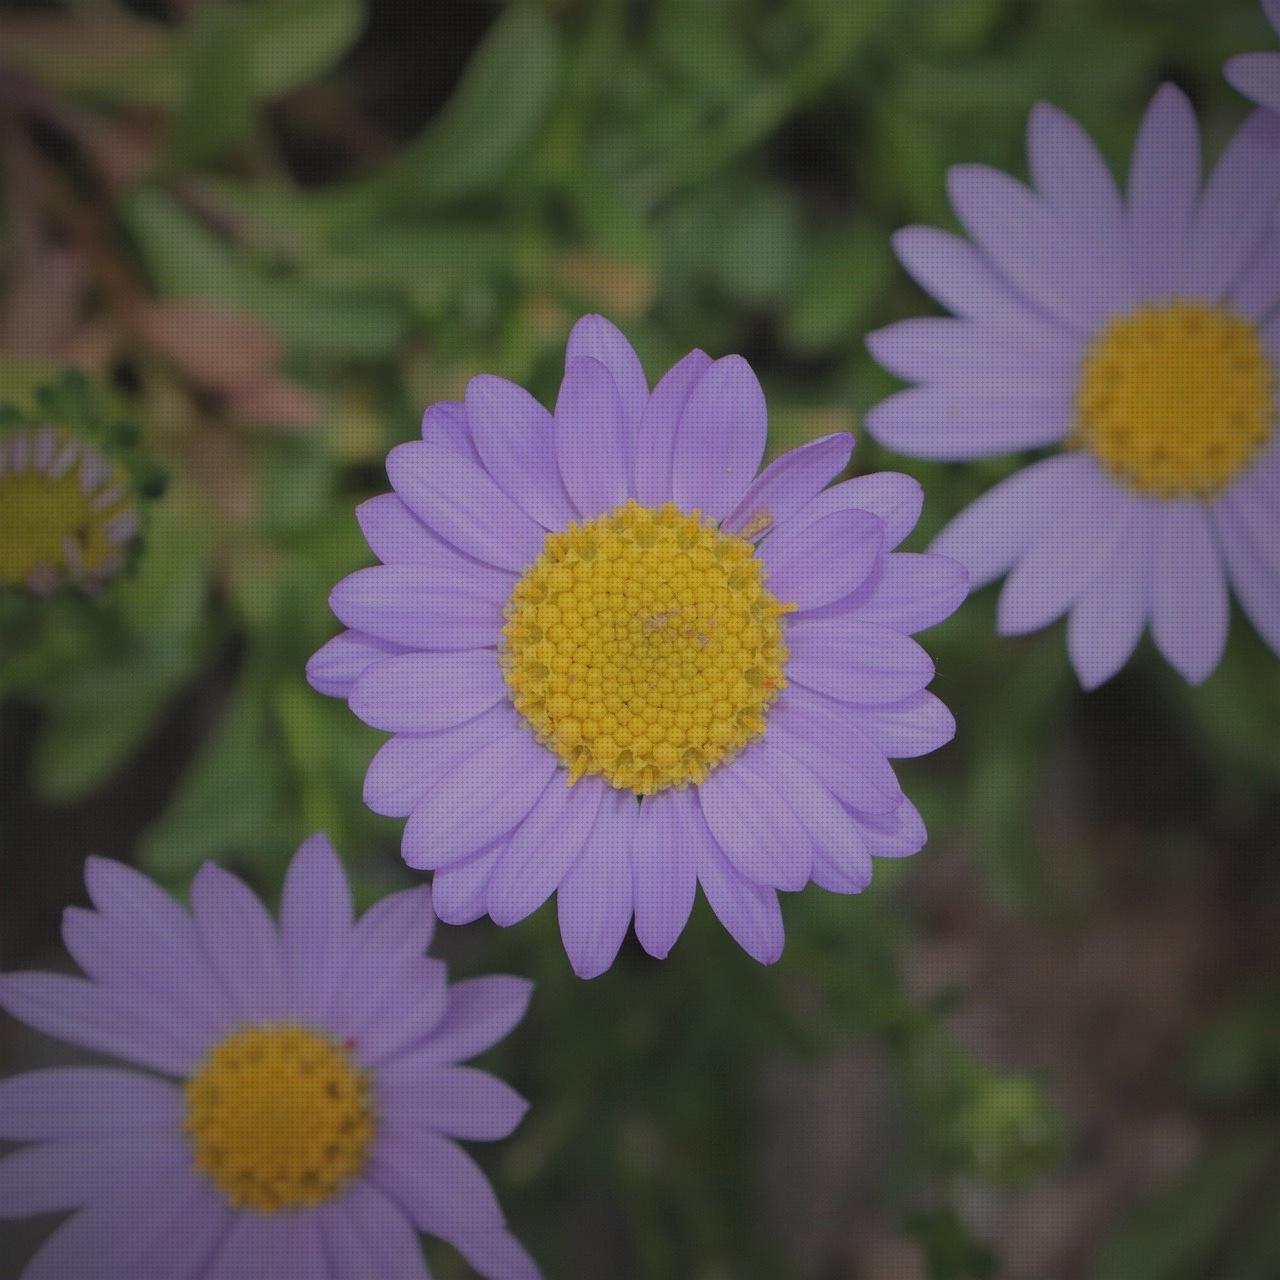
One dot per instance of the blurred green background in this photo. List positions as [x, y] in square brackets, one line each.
[272, 232]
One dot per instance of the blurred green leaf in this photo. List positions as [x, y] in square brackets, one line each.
[217, 108]
[102, 711]
[231, 802]
[1176, 1232]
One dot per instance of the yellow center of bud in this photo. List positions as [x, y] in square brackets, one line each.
[67, 513]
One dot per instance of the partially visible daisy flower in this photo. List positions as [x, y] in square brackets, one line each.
[68, 512]
[618, 663]
[300, 1091]
[1257, 75]
[1138, 336]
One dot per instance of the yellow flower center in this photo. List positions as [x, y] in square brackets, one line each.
[1177, 399]
[279, 1118]
[644, 647]
[66, 511]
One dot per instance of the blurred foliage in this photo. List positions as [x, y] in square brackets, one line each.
[206, 209]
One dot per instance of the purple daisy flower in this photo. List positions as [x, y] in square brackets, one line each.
[1139, 335]
[619, 663]
[1257, 75]
[301, 1095]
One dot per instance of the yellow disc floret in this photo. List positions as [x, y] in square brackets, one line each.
[279, 1117]
[644, 647]
[67, 512]
[1176, 399]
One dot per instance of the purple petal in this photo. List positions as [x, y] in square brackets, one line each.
[969, 354]
[1257, 76]
[386, 943]
[824, 737]
[1257, 587]
[1025, 240]
[754, 825]
[841, 862]
[991, 533]
[513, 435]
[595, 899]
[823, 561]
[337, 665]
[82, 1013]
[316, 917]
[966, 283]
[543, 848]
[367, 1234]
[461, 890]
[284, 1247]
[84, 1102]
[241, 941]
[912, 592]
[137, 1205]
[407, 766]
[1256, 292]
[160, 931]
[596, 338]
[656, 435]
[895, 498]
[1237, 209]
[48, 1177]
[410, 608]
[411, 1008]
[896, 835]
[447, 1195]
[1065, 554]
[720, 440]
[481, 1011]
[1190, 609]
[856, 661]
[790, 481]
[445, 423]
[1073, 178]
[1108, 619]
[749, 911]
[663, 870]
[479, 801]
[954, 422]
[439, 1186]
[1164, 184]
[398, 537]
[192, 1219]
[459, 1102]
[914, 727]
[428, 692]
[1069, 171]
[461, 502]
[397, 926]
[120, 963]
[591, 438]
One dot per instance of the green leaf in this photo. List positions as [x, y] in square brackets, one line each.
[231, 800]
[847, 274]
[1174, 1234]
[99, 714]
[217, 107]
[189, 261]
[496, 109]
[293, 42]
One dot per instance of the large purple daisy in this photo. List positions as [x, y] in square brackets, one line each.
[301, 1095]
[618, 663]
[1139, 336]
[1257, 75]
